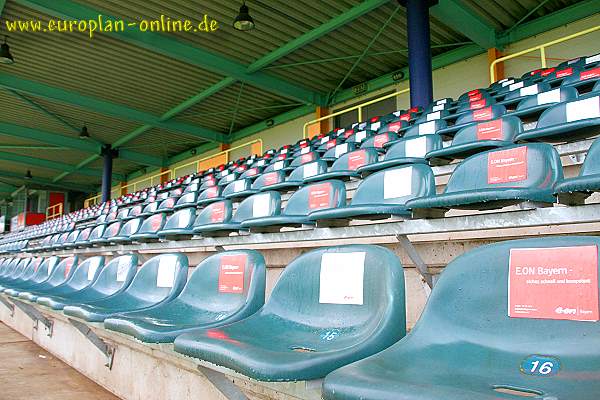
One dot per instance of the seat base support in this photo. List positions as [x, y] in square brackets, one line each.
[105, 348]
[36, 316]
[223, 385]
[416, 258]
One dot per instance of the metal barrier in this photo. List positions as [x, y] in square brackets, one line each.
[358, 107]
[54, 211]
[221, 157]
[541, 48]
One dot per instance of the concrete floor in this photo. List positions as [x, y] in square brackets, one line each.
[28, 372]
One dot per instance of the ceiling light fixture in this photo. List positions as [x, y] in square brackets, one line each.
[28, 174]
[5, 56]
[243, 22]
[84, 134]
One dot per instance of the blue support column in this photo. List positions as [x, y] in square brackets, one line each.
[107, 154]
[419, 53]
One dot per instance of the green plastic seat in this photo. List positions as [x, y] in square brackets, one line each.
[264, 204]
[316, 196]
[57, 276]
[179, 225]
[111, 280]
[383, 194]
[522, 90]
[339, 150]
[583, 79]
[215, 219]
[473, 105]
[378, 141]
[150, 208]
[18, 278]
[575, 190]
[239, 189]
[535, 105]
[466, 347]
[58, 244]
[476, 138]
[148, 232]
[187, 200]
[158, 281]
[129, 228]
[111, 231]
[69, 242]
[266, 179]
[409, 150]
[347, 165]
[330, 307]
[223, 288]
[33, 277]
[298, 175]
[498, 178]
[77, 278]
[483, 114]
[209, 195]
[566, 122]
[84, 235]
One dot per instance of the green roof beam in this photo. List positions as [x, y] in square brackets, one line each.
[316, 33]
[45, 182]
[466, 21]
[38, 162]
[173, 48]
[103, 107]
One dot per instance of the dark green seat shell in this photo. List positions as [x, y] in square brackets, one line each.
[330, 307]
[223, 288]
[476, 185]
[159, 280]
[588, 180]
[384, 194]
[57, 276]
[465, 345]
[112, 279]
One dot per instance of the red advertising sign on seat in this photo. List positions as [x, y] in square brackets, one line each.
[270, 178]
[475, 97]
[394, 126]
[592, 73]
[380, 140]
[318, 196]
[554, 283]
[156, 222]
[212, 192]
[507, 165]
[356, 159]
[490, 130]
[564, 72]
[476, 105]
[218, 212]
[482, 114]
[231, 274]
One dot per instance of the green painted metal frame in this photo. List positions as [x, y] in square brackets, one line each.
[104, 107]
[465, 21]
[44, 182]
[2, 4]
[38, 162]
[176, 49]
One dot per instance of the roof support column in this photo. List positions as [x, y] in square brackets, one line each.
[493, 55]
[419, 53]
[107, 155]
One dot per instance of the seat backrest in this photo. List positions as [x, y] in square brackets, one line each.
[85, 273]
[505, 129]
[151, 207]
[265, 204]
[116, 275]
[276, 166]
[215, 213]
[63, 271]
[97, 232]
[317, 196]
[160, 278]
[11, 266]
[426, 128]
[508, 301]
[307, 170]
[187, 199]
[396, 185]
[38, 272]
[72, 237]
[192, 187]
[304, 159]
[582, 75]
[268, 179]
[167, 204]
[474, 95]
[482, 114]
[124, 213]
[549, 97]
[534, 166]
[571, 111]
[353, 287]
[521, 89]
[227, 179]
[360, 136]
[355, 159]
[394, 126]
[432, 116]
[112, 230]
[237, 186]
[339, 150]
[84, 235]
[153, 223]
[182, 219]
[135, 211]
[476, 105]
[27, 268]
[131, 227]
[591, 164]
[228, 282]
[379, 140]
[414, 147]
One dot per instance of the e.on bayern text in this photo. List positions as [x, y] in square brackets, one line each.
[102, 24]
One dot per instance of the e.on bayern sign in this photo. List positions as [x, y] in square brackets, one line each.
[554, 283]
